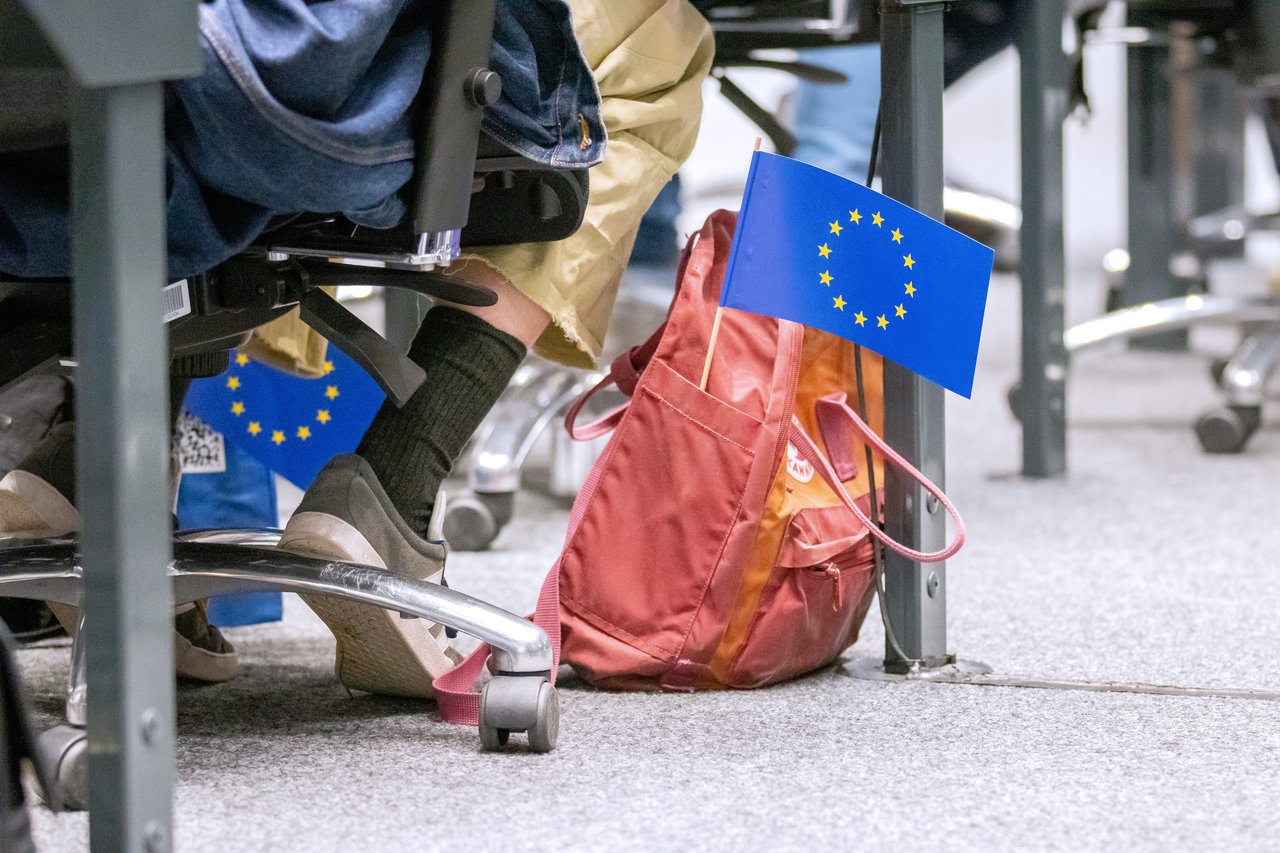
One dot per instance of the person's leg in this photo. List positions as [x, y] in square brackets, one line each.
[834, 124]
[469, 355]
[37, 499]
[649, 58]
[557, 295]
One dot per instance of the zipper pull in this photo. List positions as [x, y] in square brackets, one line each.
[837, 591]
[586, 133]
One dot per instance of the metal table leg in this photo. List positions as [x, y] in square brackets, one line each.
[1041, 267]
[1151, 202]
[911, 86]
[123, 462]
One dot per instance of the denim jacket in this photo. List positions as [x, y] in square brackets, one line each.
[305, 107]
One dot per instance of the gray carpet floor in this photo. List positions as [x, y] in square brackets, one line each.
[1150, 562]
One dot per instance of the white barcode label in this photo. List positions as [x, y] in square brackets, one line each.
[199, 448]
[177, 301]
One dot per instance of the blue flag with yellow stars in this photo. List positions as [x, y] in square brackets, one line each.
[290, 424]
[819, 249]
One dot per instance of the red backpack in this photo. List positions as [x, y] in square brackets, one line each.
[722, 538]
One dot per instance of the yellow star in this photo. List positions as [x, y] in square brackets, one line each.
[304, 432]
[882, 322]
[860, 318]
[836, 228]
[897, 236]
[242, 359]
[233, 382]
[901, 312]
[277, 437]
[331, 392]
[908, 261]
[322, 415]
[840, 303]
[237, 408]
[877, 219]
[911, 290]
[855, 217]
[826, 277]
[824, 250]
[328, 368]
[254, 427]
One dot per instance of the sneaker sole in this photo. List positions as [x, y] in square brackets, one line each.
[30, 507]
[189, 660]
[378, 651]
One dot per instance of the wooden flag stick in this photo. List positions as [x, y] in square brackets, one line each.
[715, 329]
[711, 347]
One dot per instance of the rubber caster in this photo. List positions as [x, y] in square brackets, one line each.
[1227, 430]
[472, 520]
[66, 748]
[519, 703]
[1014, 397]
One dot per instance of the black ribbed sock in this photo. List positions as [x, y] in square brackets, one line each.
[412, 450]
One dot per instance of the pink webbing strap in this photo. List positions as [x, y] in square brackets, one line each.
[840, 425]
[456, 701]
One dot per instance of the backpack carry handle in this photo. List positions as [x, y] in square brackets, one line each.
[603, 425]
[626, 369]
[840, 425]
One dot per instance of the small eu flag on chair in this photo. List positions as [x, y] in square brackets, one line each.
[292, 425]
[818, 249]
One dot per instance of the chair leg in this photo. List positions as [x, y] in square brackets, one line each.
[1244, 379]
[77, 689]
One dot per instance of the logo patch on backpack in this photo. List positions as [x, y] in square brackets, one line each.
[799, 469]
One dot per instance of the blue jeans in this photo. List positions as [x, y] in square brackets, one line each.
[307, 107]
[835, 124]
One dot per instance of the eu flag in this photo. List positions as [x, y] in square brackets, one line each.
[294, 426]
[818, 249]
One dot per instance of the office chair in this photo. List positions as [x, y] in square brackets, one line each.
[464, 191]
[1243, 35]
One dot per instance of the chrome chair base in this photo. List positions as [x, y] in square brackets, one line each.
[218, 562]
[1243, 377]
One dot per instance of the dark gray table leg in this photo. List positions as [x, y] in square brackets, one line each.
[1151, 202]
[123, 462]
[911, 91]
[1044, 359]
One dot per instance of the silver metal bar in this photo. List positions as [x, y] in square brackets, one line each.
[41, 568]
[911, 75]
[1170, 314]
[122, 396]
[431, 250]
[77, 691]
[1244, 379]
[1041, 259]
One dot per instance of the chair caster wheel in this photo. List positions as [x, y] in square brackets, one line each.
[1014, 398]
[67, 750]
[472, 520]
[519, 703]
[1228, 429]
